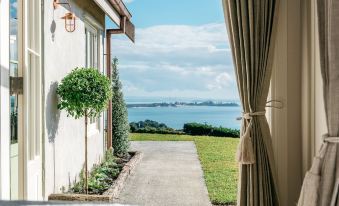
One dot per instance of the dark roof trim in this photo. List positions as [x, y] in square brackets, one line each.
[126, 27]
[121, 8]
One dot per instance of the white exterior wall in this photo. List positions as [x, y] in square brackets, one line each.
[64, 136]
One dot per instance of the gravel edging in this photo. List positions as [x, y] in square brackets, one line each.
[112, 193]
[119, 183]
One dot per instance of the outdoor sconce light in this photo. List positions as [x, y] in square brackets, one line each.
[69, 22]
[69, 17]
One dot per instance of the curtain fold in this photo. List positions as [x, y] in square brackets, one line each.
[321, 183]
[250, 31]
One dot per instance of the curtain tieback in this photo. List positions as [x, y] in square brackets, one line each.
[245, 152]
[329, 139]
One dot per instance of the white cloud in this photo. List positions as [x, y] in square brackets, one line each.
[222, 80]
[14, 4]
[177, 61]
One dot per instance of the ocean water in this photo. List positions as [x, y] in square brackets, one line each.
[176, 117]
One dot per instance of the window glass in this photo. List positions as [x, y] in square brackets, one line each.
[92, 48]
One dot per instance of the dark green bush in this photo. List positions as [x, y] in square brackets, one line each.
[208, 130]
[153, 127]
[120, 126]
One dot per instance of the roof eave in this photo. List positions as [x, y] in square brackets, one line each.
[121, 8]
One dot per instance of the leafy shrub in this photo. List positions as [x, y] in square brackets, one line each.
[153, 127]
[85, 92]
[208, 130]
[101, 177]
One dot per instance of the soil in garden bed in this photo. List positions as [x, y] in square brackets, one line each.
[102, 176]
[106, 180]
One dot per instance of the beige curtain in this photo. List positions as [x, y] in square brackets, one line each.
[321, 183]
[250, 28]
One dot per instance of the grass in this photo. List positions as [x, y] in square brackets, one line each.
[217, 157]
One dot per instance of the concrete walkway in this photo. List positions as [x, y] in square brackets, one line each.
[169, 174]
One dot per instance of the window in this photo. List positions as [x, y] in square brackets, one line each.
[33, 76]
[92, 61]
[92, 47]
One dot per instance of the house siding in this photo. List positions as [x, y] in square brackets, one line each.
[64, 136]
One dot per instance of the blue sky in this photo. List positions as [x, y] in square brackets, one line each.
[175, 12]
[181, 51]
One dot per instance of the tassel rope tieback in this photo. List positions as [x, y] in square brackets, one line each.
[245, 152]
[329, 139]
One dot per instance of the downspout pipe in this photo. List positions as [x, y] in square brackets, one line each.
[109, 33]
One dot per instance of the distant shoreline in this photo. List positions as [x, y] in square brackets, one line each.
[180, 104]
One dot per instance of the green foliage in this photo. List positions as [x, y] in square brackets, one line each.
[153, 127]
[149, 126]
[152, 130]
[84, 90]
[160, 137]
[217, 157]
[208, 130]
[101, 177]
[148, 123]
[120, 126]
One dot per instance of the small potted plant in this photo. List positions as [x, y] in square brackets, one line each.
[85, 92]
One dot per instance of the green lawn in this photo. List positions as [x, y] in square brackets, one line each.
[217, 157]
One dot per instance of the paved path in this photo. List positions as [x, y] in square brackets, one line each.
[54, 203]
[169, 174]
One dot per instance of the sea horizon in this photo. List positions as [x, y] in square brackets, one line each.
[149, 100]
[176, 117]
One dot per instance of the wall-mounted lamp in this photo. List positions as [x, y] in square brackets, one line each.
[69, 22]
[69, 17]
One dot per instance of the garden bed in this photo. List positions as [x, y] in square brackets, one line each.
[112, 192]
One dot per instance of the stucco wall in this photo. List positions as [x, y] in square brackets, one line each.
[64, 136]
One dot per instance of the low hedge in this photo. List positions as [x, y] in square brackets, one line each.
[195, 129]
[153, 130]
[208, 130]
[153, 127]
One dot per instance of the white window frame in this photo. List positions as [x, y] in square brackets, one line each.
[4, 100]
[92, 39]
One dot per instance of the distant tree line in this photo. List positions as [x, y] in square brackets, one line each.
[149, 126]
[196, 129]
[178, 104]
